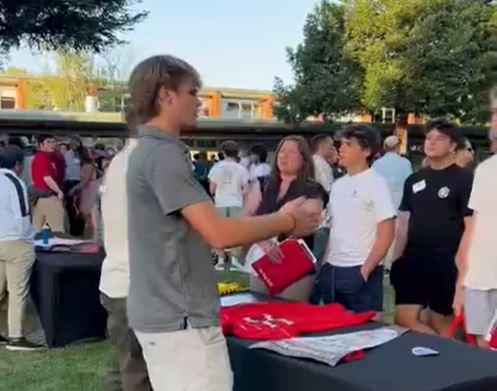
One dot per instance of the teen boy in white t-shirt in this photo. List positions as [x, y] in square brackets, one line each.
[477, 285]
[229, 182]
[362, 228]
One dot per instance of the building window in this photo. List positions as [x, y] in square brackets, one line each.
[7, 102]
[387, 115]
[247, 110]
[239, 109]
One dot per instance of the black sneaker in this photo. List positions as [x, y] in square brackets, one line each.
[3, 341]
[22, 345]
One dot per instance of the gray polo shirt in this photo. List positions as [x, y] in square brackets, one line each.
[172, 279]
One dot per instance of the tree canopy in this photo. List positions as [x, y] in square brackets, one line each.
[89, 25]
[324, 77]
[66, 87]
[432, 57]
[424, 56]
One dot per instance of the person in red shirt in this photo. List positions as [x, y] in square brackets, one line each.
[45, 175]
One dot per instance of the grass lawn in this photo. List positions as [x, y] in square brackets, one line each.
[76, 368]
[80, 367]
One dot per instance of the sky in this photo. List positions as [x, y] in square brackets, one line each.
[233, 43]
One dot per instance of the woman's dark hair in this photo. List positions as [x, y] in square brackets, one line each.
[367, 137]
[260, 151]
[306, 171]
[83, 154]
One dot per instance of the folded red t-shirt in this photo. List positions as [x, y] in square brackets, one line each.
[280, 320]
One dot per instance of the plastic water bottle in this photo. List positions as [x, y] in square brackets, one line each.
[45, 234]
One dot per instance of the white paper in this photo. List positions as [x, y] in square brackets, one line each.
[60, 242]
[330, 350]
[240, 298]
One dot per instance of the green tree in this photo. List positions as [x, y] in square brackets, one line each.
[89, 25]
[68, 87]
[114, 70]
[435, 57]
[37, 96]
[325, 78]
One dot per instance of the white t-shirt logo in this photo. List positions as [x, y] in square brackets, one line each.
[443, 192]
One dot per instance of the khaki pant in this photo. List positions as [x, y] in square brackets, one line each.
[191, 359]
[16, 263]
[128, 371]
[51, 211]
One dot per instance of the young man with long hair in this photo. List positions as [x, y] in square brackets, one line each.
[173, 305]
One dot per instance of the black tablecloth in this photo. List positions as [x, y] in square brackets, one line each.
[64, 287]
[390, 367]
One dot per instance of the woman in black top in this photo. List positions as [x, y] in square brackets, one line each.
[292, 176]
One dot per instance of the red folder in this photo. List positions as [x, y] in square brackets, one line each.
[297, 261]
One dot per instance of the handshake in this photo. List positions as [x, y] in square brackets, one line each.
[306, 215]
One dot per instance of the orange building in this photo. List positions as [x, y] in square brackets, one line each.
[230, 103]
[12, 89]
[236, 103]
[216, 102]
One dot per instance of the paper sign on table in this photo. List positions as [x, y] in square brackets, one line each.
[330, 350]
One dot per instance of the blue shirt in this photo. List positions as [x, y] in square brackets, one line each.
[395, 169]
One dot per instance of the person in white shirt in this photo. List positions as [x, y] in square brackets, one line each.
[229, 182]
[477, 283]
[259, 168]
[17, 254]
[130, 370]
[323, 148]
[394, 168]
[362, 228]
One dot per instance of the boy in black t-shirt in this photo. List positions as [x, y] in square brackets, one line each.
[433, 216]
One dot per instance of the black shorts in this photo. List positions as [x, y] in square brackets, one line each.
[345, 285]
[428, 281]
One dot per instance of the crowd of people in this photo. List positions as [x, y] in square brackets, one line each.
[355, 202]
[56, 188]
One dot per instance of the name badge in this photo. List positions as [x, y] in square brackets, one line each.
[419, 186]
